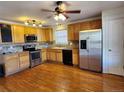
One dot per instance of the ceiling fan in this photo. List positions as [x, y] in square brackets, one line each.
[60, 12]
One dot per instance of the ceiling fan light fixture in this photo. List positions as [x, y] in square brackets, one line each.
[56, 17]
[62, 17]
[26, 23]
[34, 25]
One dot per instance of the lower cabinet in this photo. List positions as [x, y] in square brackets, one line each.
[75, 56]
[56, 55]
[59, 55]
[24, 60]
[15, 62]
[43, 55]
[11, 64]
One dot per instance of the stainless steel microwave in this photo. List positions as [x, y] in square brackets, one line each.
[30, 38]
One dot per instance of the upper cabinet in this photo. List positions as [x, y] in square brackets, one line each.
[73, 29]
[30, 30]
[6, 33]
[47, 34]
[18, 33]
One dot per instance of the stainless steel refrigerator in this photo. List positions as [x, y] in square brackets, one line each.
[90, 46]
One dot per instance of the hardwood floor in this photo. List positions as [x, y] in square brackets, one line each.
[58, 77]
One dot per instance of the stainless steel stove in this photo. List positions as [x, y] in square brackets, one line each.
[35, 58]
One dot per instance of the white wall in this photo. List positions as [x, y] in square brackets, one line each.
[107, 15]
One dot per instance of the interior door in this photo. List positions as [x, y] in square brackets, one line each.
[94, 49]
[83, 50]
[116, 46]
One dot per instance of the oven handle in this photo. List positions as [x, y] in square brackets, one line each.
[34, 51]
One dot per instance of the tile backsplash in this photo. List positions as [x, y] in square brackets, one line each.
[10, 48]
[7, 48]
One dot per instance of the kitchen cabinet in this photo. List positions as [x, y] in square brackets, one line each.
[24, 60]
[47, 35]
[75, 56]
[53, 55]
[30, 30]
[59, 55]
[18, 33]
[15, 62]
[43, 55]
[11, 64]
[70, 32]
[73, 29]
[96, 24]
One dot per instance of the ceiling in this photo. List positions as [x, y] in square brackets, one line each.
[18, 11]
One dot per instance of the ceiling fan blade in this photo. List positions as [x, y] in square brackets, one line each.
[66, 16]
[66, 3]
[47, 10]
[49, 17]
[72, 11]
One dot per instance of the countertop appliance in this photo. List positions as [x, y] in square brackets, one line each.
[30, 38]
[90, 46]
[34, 55]
[67, 56]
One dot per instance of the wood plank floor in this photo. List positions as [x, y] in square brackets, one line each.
[58, 77]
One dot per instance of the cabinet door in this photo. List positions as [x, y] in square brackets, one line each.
[39, 34]
[85, 25]
[43, 55]
[70, 32]
[24, 60]
[53, 56]
[11, 64]
[76, 31]
[59, 56]
[18, 34]
[43, 35]
[96, 24]
[51, 34]
[75, 56]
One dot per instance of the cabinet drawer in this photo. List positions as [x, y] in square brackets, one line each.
[24, 58]
[26, 53]
[10, 57]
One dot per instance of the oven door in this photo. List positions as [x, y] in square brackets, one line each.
[34, 55]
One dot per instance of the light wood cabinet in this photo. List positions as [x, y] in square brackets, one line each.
[47, 34]
[24, 60]
[59, 55]
[73, 29]
[43, 55]
[15, 62]
[53, 55]
[70, 32]
[30, 30]
[18, 33]
[75, 56]
[11, 64]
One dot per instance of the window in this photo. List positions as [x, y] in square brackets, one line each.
[61, 37]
